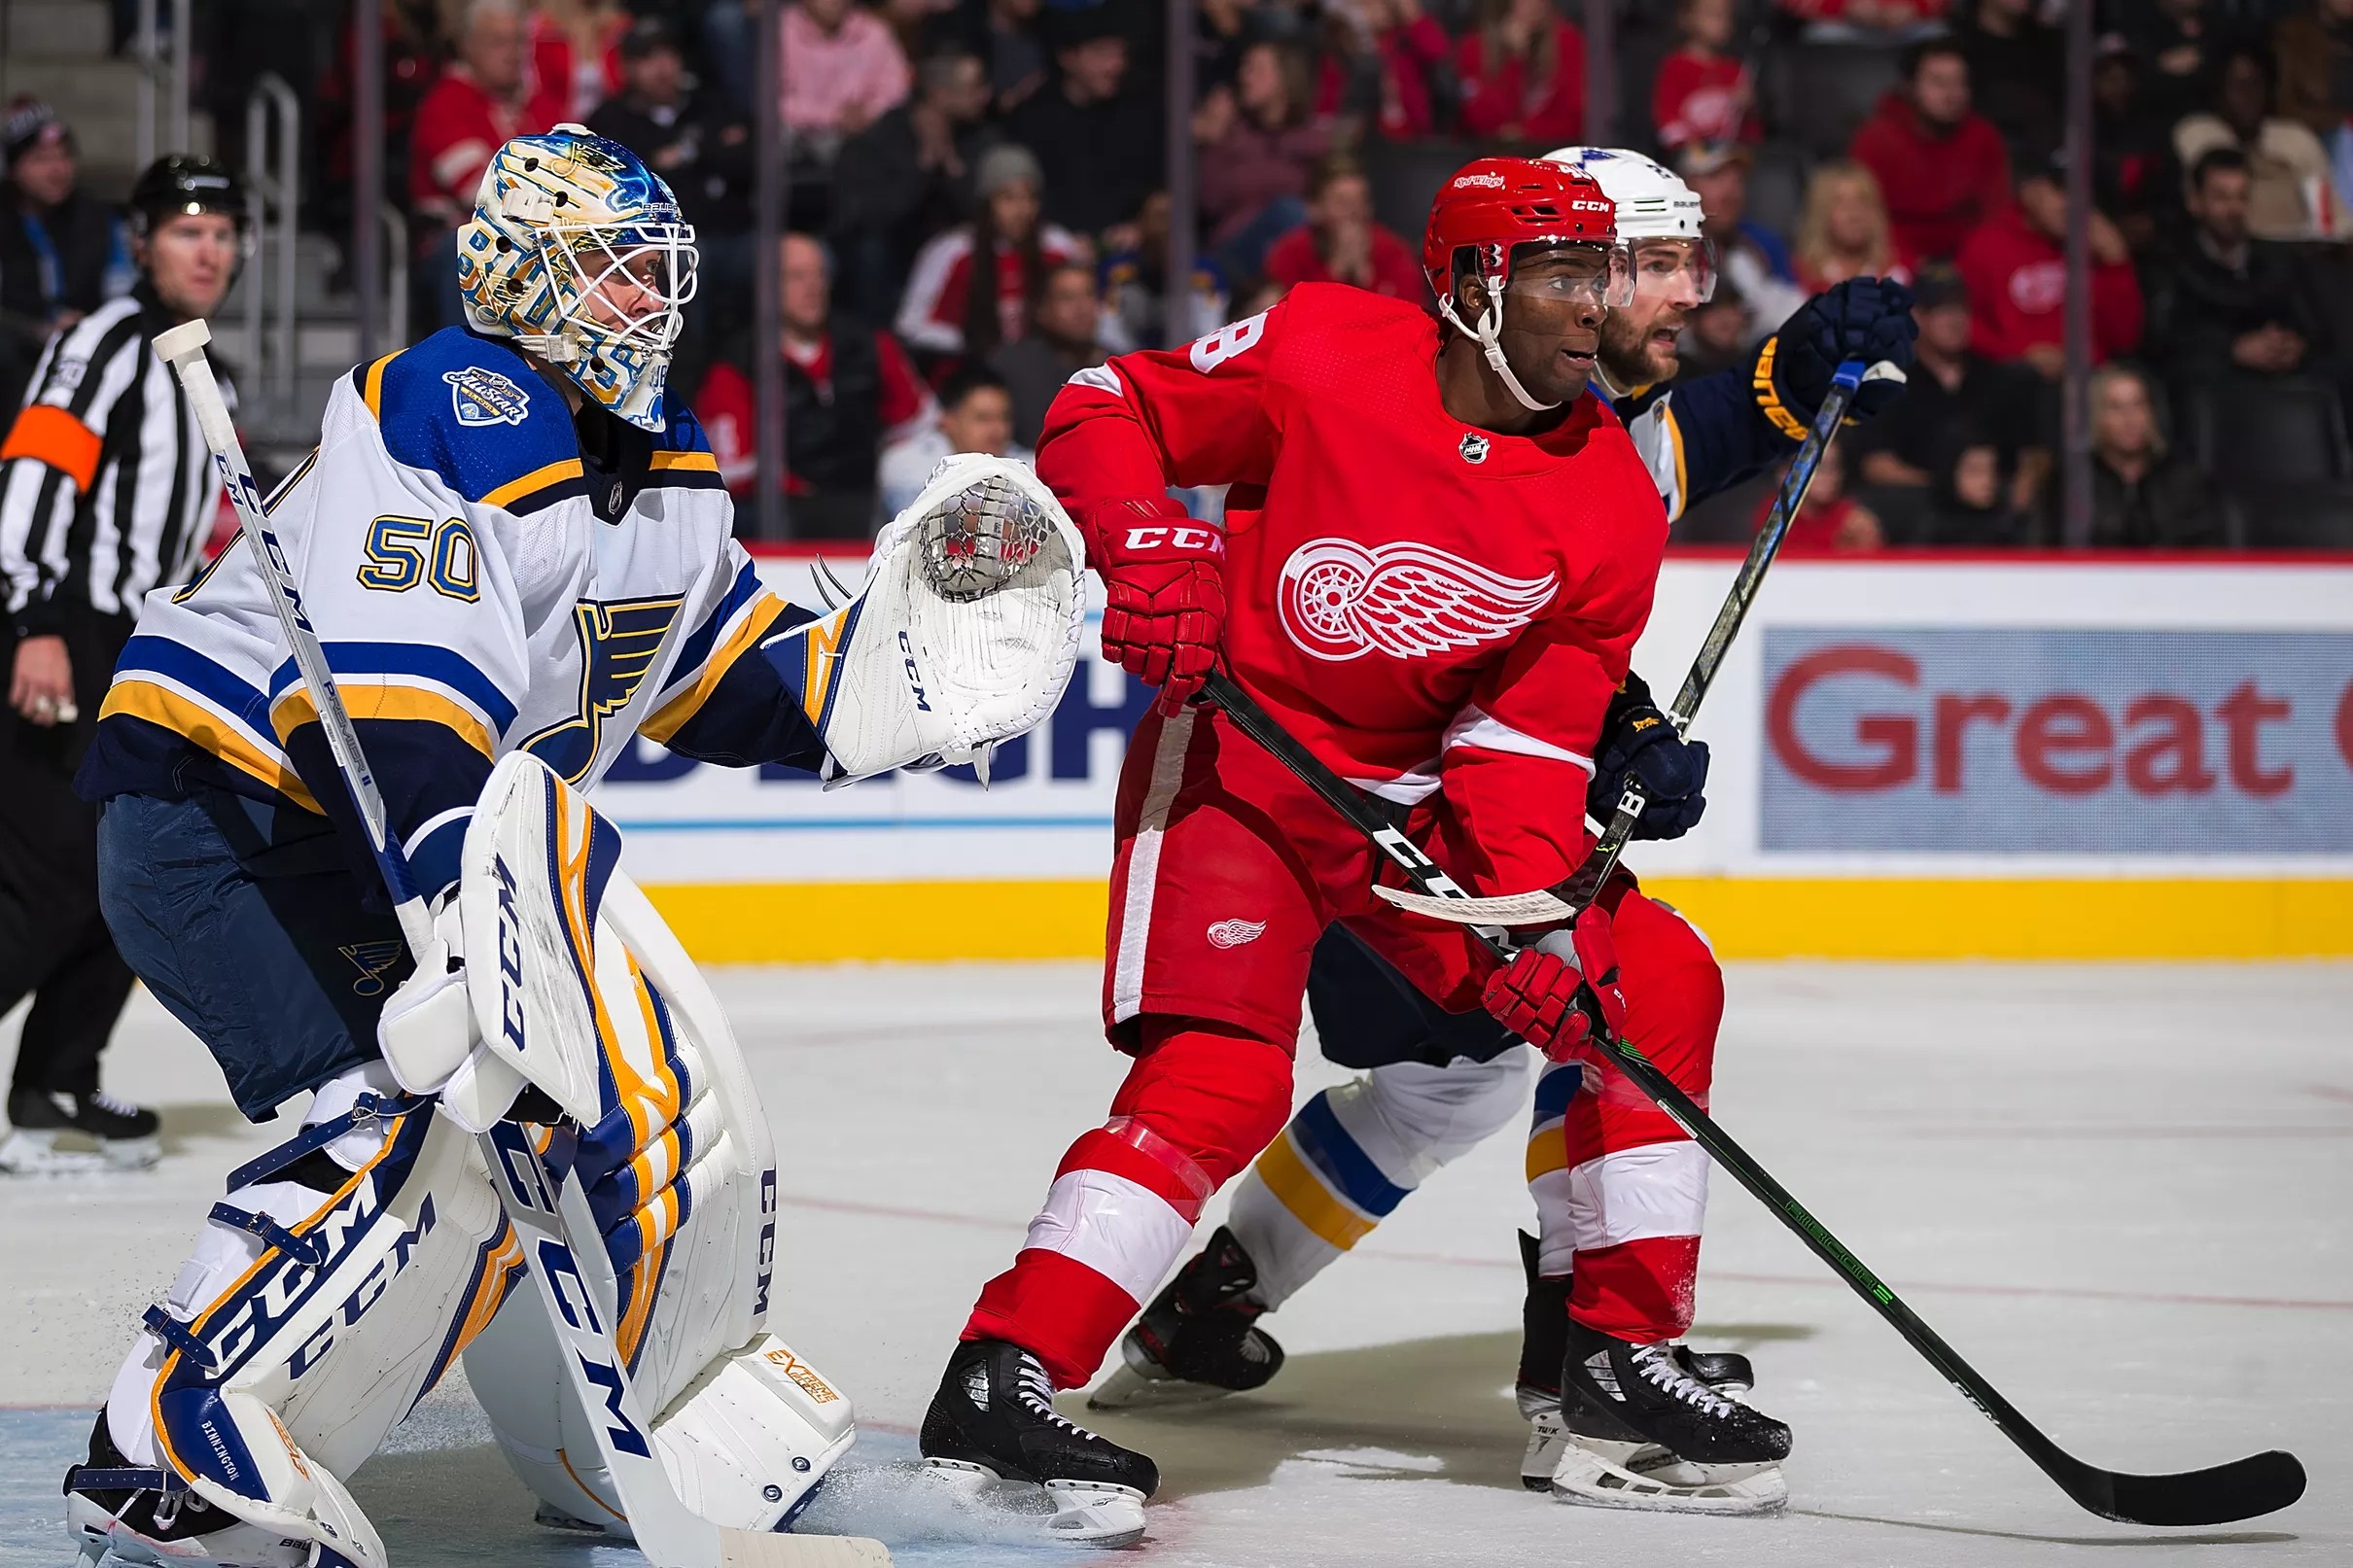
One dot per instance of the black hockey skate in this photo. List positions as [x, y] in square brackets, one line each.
[994, 1421]
[1199, 1339]
[125, 1134]
[147, 1515]
[1544, 1347]
[1642, 1432]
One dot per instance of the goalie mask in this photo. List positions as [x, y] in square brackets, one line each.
[577, 253]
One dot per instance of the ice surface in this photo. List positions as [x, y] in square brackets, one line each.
[2121, 1191]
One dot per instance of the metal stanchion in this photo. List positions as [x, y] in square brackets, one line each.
[1600, 73]
[767, 303]
[2075, 420]
[367, 170]
[1176, 322]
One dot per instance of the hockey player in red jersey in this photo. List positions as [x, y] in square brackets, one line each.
[1439, 551]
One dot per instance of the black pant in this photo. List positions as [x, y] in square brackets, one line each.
[54, 943]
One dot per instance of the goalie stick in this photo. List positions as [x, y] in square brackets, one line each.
[2260, 1483]
[666, 1530]
[1564, 898]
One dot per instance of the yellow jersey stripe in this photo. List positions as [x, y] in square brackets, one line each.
[539, 478]
[201, 726]
[702, 462]
[372, 392]
[672, 716]
[292, 711]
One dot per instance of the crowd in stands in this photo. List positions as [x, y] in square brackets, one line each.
[977, 209]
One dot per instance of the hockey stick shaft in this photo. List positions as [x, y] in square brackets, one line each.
[669, 1534]
[2254, 1485]
[183, 349]
[1585, 884]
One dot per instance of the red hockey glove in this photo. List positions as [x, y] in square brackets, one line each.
[1543, 997]
[1165, 576]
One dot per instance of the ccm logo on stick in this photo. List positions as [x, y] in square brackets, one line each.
[2064, 743]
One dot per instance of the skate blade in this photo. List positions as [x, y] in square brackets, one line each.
[1128, 1389]
[1066, 1512]
[36, 1154]
[1547, 1442]
[1639, 1478]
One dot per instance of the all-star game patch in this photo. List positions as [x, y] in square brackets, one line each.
[486, 398]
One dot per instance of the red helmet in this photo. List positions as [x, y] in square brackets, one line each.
[1495, 203]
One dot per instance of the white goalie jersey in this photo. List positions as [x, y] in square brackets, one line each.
[483, 584]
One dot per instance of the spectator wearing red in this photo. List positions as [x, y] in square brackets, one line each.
[1844, 233]
[848, 390]
[576, 50]
[489, 96]
[1704, 93]
[842, 68]
[1258, 143]
[1829, 520]
[2016, 267]
[1341, 243]
[411, 54]
[1941, 168]
[1378, 62]
[1522, 74]
[974, 287]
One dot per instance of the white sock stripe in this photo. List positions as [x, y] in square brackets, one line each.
[1143, 864]
[1658, 1189]
[1122, 1230]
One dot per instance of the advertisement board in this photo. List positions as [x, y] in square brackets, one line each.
[1913, 757]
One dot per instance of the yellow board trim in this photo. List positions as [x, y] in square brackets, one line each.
[539, 478]
[1759, 917]
[294, 709]
[203, 728]
[1310, 1202]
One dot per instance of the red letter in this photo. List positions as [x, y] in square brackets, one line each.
[2064, 724]
[2179, 745]
[2244, 713]
[2344, 725]
[1952, 716]
[1898, 734]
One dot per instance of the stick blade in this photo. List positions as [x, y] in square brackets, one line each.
[1538, 908]
[748, 1549]
[2242, 1489]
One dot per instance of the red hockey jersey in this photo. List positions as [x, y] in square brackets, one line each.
[1425, 605]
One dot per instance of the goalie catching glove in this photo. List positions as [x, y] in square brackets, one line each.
[1550, 993]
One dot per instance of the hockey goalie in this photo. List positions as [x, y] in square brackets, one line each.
[517, 559]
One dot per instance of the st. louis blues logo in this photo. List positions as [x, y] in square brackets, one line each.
[620, 640]
[375, 962]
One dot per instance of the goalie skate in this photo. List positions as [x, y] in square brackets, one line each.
[994, 1440]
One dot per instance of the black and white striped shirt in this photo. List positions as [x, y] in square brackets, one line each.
[106, 487]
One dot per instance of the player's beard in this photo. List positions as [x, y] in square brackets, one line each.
[1634, 355]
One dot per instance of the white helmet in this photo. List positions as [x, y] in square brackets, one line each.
[1653, 203]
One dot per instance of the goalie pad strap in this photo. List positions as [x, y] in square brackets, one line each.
[310, 1249]
[370, 1108]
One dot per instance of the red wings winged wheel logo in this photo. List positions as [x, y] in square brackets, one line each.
[1341, 600]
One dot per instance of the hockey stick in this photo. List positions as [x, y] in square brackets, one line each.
[1561, 900]
[2242, 1489]
[666, 1530]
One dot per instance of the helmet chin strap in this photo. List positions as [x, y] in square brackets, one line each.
[1489, 335]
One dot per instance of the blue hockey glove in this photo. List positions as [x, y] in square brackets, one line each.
[1640, 741]
[1867, 319]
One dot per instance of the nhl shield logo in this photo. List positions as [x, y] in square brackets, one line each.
[1474, 447]
[480, 397]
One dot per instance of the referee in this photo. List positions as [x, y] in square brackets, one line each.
[106, 492]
